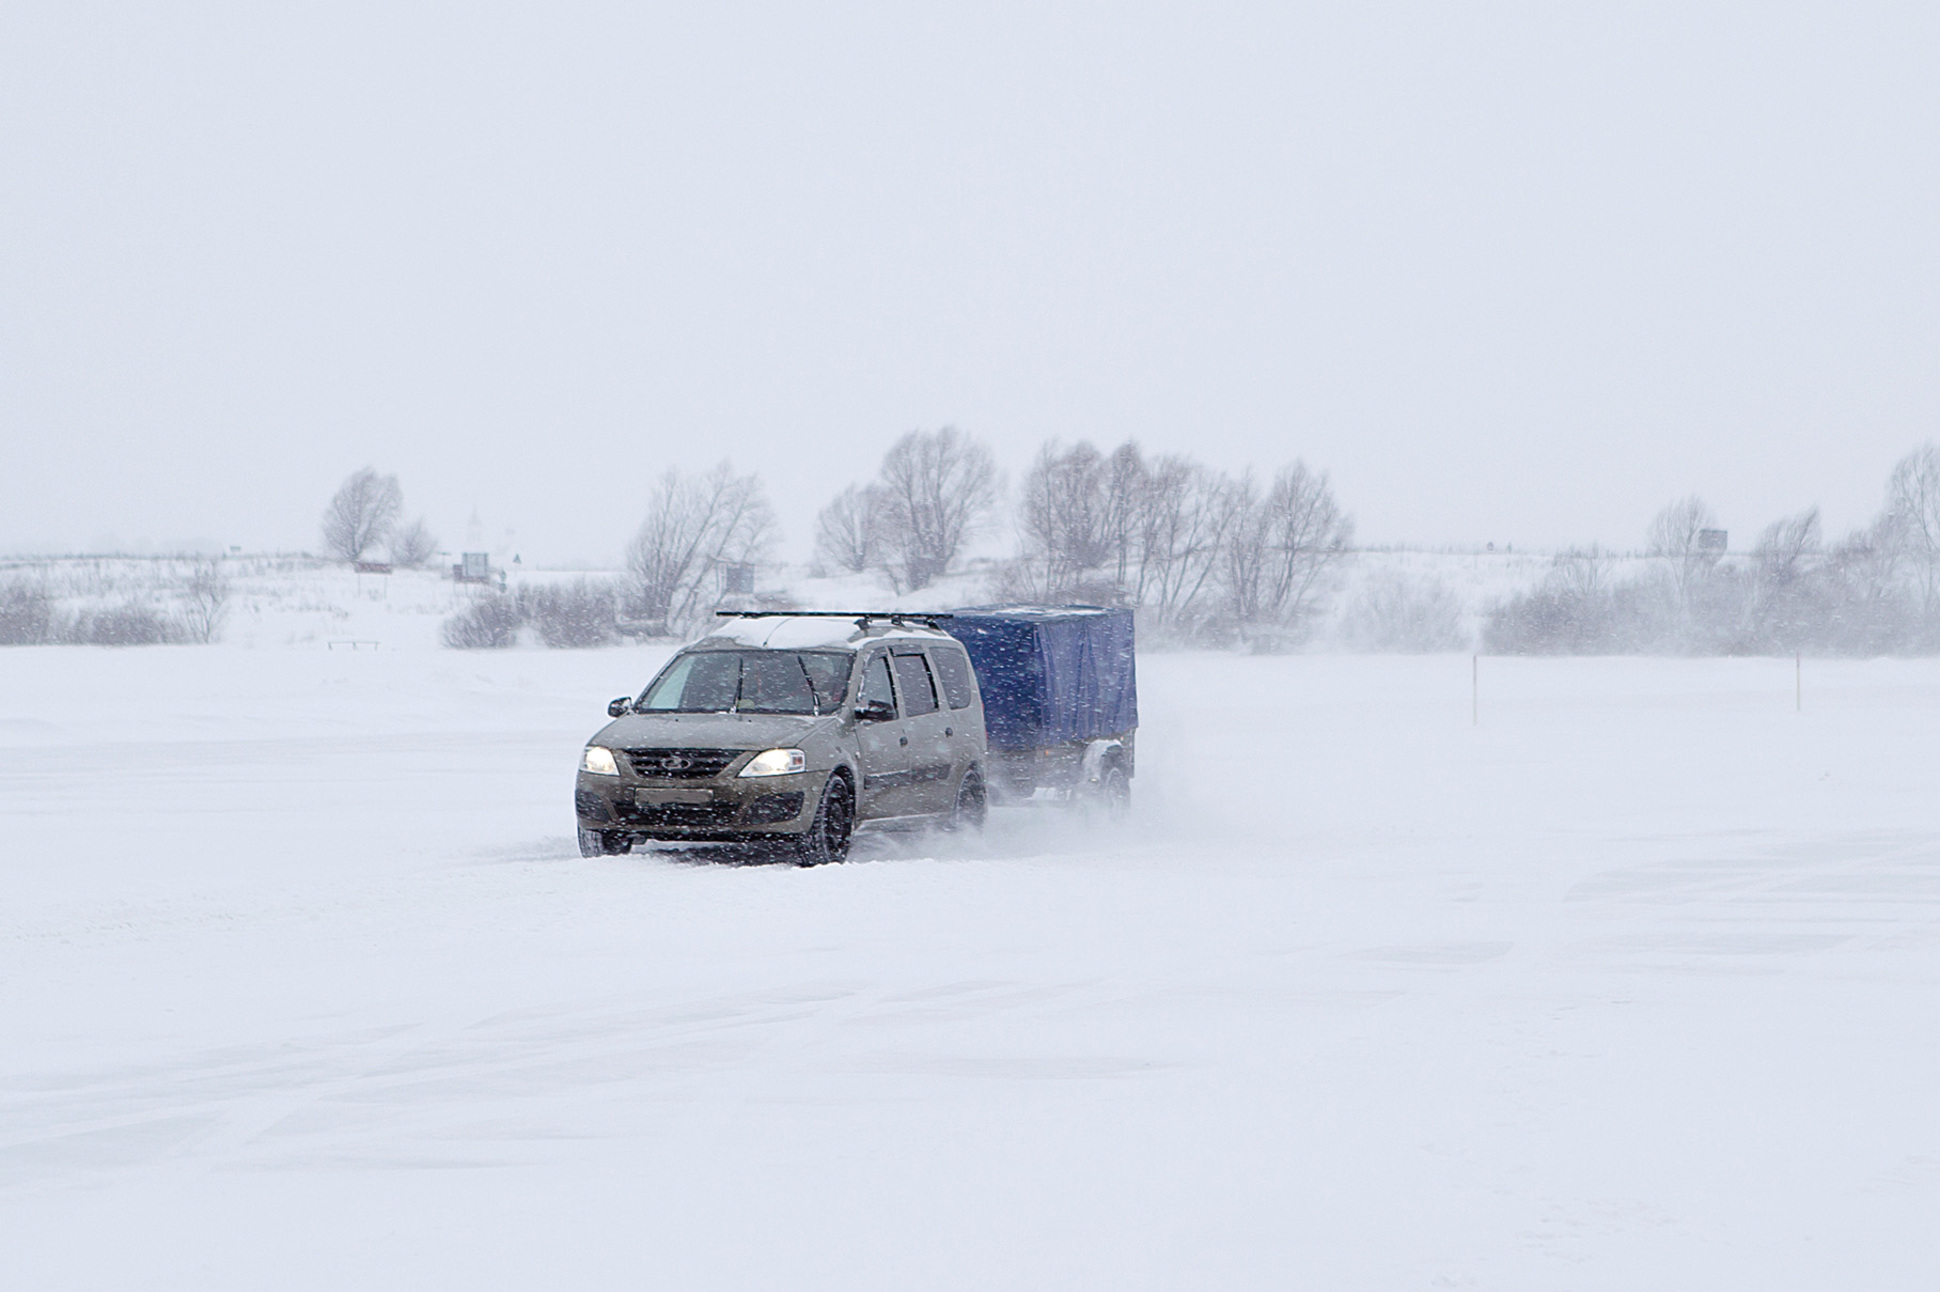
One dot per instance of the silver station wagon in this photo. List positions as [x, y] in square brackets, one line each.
[791, 729]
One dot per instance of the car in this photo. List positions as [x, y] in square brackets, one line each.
[791, 729]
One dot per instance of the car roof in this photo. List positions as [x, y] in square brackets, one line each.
[805, 632]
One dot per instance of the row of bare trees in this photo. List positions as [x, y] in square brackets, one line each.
[1200, 553]
[1876, 590]
[1203, 554]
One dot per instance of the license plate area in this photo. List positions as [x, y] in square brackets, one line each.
[659, 798]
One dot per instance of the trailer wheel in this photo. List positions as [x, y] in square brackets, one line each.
[1115, 791]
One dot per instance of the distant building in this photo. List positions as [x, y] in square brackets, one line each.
[473, 567]
[1712, 542]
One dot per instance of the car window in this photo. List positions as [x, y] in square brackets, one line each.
[828, 673]
[875, 683]
[774, 684]
[699, 683]
[914, 681]
[749, 682]
[953, 667]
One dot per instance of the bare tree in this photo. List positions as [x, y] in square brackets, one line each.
[849, 531]
[1789, 603]
[693, 525]
[1781, 554]
[936, 486]
[1284, 539]
[1675, 535]
[1580, 572]
[362, 514]
[1063, 516]
[1913, 503]
[205, 602]
[1184, 519]
[413, 545]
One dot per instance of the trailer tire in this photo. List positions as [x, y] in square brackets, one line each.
[1115, 791]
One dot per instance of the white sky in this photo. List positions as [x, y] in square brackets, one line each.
[1512, 273]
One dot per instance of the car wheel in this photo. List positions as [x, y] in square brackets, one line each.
[602, 843]
[972, 804]
[827, 837]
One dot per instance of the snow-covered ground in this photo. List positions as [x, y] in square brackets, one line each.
[1636, 984]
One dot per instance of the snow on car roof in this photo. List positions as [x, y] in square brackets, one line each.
[802, 632]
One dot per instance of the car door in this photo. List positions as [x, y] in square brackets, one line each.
[932, 756]
[883, 747]
[964, 726]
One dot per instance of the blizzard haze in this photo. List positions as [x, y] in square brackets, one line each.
[1509, 273]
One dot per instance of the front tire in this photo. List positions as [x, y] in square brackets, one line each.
[827, 838]
[602, 843]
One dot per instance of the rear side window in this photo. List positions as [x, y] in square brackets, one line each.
[913, 679]
[954, 670]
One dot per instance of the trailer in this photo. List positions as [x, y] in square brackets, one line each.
[1060, 698]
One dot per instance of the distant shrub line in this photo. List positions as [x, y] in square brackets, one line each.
[31, 615]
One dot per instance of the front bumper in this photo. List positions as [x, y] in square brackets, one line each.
[717, 810]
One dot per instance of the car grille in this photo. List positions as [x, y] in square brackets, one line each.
[680, 764]
[688, 816]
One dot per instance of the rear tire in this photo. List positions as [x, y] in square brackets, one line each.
[827, 838]
[602, 843]
[972, 805]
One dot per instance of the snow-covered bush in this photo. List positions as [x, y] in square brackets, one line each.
[490, 623]
[131, 624]
[205, 602]
[574, 614]
[26, 614]
[1394, 613]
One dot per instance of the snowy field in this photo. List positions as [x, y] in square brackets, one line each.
[1635, 985]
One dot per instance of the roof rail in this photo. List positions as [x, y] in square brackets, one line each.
[928, 618]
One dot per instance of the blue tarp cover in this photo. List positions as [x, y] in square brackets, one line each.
[1051, 674]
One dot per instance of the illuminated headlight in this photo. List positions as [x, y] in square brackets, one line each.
[776, 762]
[598, 761]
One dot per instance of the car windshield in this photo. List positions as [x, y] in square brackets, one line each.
[765, 681]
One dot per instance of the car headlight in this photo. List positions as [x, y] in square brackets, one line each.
[598, 761]
[776, 762]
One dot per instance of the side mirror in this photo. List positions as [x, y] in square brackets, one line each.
[875, 711]
[620, 707]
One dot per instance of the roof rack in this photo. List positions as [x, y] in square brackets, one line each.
[927, 618]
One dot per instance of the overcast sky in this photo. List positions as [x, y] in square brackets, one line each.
[1512, 273]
